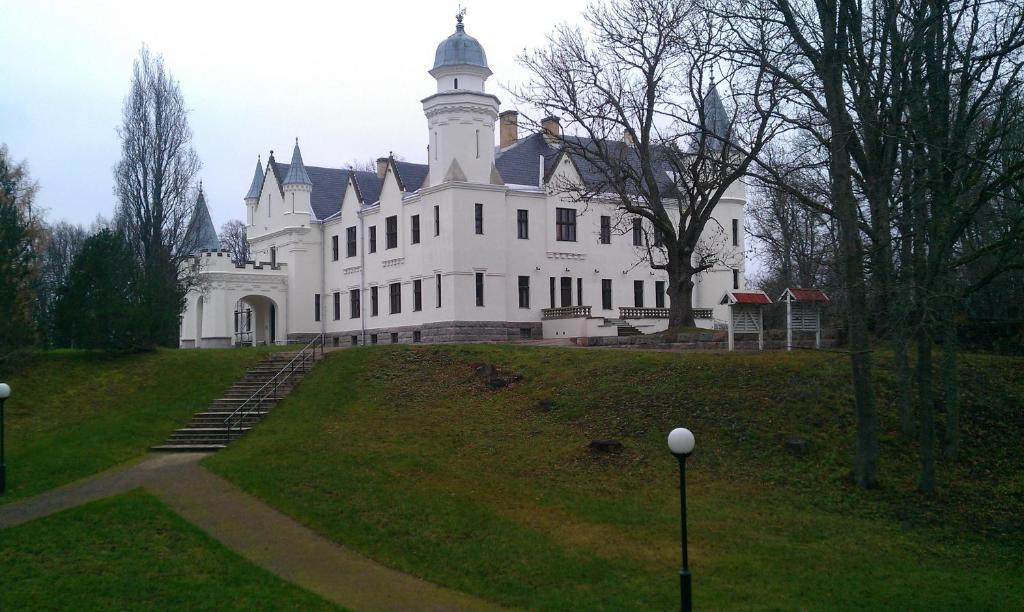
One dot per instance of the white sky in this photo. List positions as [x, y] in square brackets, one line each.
[346, 78]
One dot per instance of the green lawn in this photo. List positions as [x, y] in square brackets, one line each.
[75, 413]
[132, 552]
[403, 454]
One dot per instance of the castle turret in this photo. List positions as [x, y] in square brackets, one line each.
[201, 234]
[252, 198]
[461, 115]
[297, 186]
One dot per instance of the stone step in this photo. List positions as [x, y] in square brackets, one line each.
[187, 448]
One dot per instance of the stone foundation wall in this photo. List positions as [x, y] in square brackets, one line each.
[710, 341]
[434, 333]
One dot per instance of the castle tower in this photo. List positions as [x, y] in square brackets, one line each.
[461, 115]
[252, 198]
[297, 186]
[201, 234]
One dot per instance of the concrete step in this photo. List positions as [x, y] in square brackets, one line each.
[187, 448]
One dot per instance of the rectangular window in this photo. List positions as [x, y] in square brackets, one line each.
[552, 291]
[437, 221]
[373, 238]
[566, 291]
[417, 295]
[659, 294]
[638, 232]
[396, 297]
[735, 232]
[478, 212]
[316, 306]
[606, 229]
[638, 294]
[334, 248]
[524, 291]
[417, 336]
[659, 238]
[565, 224]
[735, 279]
[437, 281]
[355, 340]
[479, 288]
[391, 232]
[579, 291]
[374, 301]
[337, 305]
[273, 256]
[373, 338]
[353, 303]
[606, 293]
[523, 224]
[394, 337]
[415, 229]
[350, 241]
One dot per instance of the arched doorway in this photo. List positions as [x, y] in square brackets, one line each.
[259, 320]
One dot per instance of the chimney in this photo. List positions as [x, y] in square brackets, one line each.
[627, 137]
[509, 128]
[382, 167]
[552, 128]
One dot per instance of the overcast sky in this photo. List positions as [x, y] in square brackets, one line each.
[346, 78]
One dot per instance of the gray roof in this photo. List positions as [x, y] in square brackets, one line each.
[716, 119]
[520, 164]
[201, 232]
[460, 49]
[329, 184]
[297, 174]
[257, 182]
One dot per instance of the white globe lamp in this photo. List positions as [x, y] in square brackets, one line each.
[680, 441]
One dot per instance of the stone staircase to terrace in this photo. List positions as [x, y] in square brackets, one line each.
[244, 405]
[624, 328]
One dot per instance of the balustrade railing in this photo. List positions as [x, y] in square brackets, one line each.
[566, 312]
[703, 313]
[632, 312]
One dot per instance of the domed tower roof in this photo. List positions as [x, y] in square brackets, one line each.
[460, 49]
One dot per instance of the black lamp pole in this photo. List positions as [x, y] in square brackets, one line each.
[685, 588]
[3, 466]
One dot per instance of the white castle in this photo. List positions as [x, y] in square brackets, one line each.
[476, 244]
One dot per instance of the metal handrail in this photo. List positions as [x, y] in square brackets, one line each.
[290, 367]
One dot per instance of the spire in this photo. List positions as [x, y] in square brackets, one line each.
[201, 233]
[257, 182]
[297, 171]
[716, 119]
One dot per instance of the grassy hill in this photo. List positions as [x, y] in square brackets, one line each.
[86, 559]
[404, 454]
[75, 413]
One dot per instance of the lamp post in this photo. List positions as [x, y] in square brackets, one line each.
[5, 392]
[681, 442]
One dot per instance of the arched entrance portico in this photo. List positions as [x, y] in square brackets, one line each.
[256, 320]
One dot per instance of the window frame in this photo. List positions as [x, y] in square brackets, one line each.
[391, 232]
[606, 294]
[415, 221]
[565, 228]
[354, 303]
[523, 224]
[334, 247]
[659, 294]
[606, 229]
[638, 294]
[638, 231]
[337, 305]
[480, 289]
[395, 298]
[417, 295]
[478, 218]
[350, 242]
[374, 300]
[373, 238]
[316, 307]
[524, 292]
[437, 220]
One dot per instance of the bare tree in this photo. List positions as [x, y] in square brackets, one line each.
[20, 244]
[153, 183]
[63, 243]
[233, 239]
[646, 128]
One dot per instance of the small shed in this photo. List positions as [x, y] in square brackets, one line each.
[746, 314]
[803, 312]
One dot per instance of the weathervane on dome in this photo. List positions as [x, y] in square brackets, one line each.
[460, 14]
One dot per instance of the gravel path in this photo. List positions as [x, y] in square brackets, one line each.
[254, 530]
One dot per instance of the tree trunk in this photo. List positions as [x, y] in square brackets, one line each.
[680, 290]
[926, 411]
[904, 380]
[950, 382]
